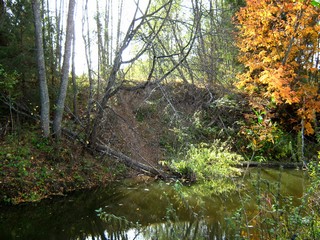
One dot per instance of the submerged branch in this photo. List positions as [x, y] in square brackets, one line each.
[287, 165]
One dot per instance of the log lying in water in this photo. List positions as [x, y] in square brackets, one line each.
[289, 165]
[134, 164]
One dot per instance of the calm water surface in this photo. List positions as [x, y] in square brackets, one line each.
[160, 210]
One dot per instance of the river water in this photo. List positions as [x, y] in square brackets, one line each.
[145, 210]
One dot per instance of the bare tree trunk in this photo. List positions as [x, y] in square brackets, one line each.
[65, 72]
[44, 95]
[120, 8]
[111, 31]
[87, 40]
[50, 44]
[73, 74]
[111, 87]
[302, 137]
[107, 57]
[134, 164]
[59, 37]
[101, 53]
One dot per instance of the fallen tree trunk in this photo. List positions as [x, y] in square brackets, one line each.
[134, 164]
[271, 164]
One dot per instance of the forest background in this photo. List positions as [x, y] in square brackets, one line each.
[179, 79]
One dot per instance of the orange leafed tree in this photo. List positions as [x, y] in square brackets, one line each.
[279, 47]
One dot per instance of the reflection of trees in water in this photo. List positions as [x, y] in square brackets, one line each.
[198, 229]
[183, 230]
[168, 230]
[164, 211]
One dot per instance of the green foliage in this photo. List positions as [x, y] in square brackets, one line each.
[315, 3]
[198, 128]
[8, 81]
[114, 168]
[283, 148]
[215, 56]
[19, 152]
[268, 141]
[146, 111]
[210, 165]
[17, 38]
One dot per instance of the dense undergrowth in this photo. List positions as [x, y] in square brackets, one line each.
[33, 168]
[213, 166]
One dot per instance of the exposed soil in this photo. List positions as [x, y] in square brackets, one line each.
[123, 130]
[142, 123]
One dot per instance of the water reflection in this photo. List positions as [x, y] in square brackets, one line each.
[164, 231]
[161, 211]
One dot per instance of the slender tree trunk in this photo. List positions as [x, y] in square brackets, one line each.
[58, 40]
[107, 57]
[302, 136]
[100, 49]
[52, 63]
[44, 95]
[87, 41]
[120, 8]
[73, 74]
[65, 72]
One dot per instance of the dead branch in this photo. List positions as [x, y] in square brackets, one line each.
[134, 164]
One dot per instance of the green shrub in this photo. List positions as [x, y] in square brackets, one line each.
[212, 165]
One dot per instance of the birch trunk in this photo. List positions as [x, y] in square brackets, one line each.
[44, 95]
[65, 72]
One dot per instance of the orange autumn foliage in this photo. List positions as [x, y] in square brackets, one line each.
[279, 47]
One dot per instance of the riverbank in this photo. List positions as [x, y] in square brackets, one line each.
[33, 168]
[146, 130]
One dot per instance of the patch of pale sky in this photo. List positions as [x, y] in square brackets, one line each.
[129, 7]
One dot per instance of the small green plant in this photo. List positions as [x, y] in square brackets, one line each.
[209, 164]
[146, 111]
[78, 178]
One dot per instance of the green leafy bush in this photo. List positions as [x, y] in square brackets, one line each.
[210, 164]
